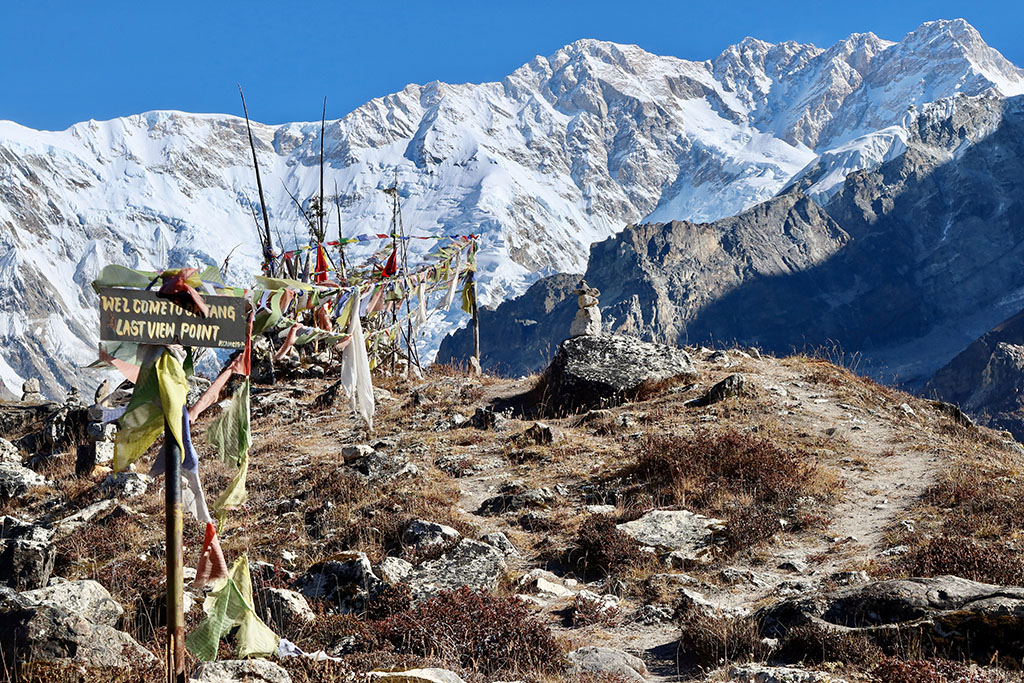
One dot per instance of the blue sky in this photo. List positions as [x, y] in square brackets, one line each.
[65, 62]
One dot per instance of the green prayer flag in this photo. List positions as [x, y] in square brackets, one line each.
[229, 605]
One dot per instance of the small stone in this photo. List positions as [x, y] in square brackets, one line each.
[16, 480]
[414, 676]
[501, 542]
[792, 565]
[355, 452]
[287, 609]
[421, 534]
[394, 570]
[232, 670]
[609, 662]
[127, 484]
[905, 407]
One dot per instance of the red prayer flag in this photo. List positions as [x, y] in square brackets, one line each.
[211, 565]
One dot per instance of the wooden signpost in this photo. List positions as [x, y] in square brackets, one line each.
[136, 315]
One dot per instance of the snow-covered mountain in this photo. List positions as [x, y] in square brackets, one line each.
[564, 151]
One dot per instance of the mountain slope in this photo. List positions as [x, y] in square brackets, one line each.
[563, 152]
[906, 265]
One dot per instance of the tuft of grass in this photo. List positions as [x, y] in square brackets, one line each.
[489, 634]
[750, 481]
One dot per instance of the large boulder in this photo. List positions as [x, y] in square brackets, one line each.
[346, 580]
[80, 597]
[238, 670]
[947, 610]
[688, 536]
[414, 676]
[470, 563]
[608, 662]
[597, 371]
[35, 630]
[16, 480]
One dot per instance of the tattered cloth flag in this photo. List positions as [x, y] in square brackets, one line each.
[160, 392]
[192, 497]
[212, 565]
[391, 267]
[453, 282]
[355, 371]
[180, 286]
[320, 275]
[227, 606]
[230, 434]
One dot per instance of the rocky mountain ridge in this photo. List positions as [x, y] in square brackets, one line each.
[563, 152]
[902, 268]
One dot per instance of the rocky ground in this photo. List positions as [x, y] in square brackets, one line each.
[738, 517]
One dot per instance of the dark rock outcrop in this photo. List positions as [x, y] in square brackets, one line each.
[597, 371]
[986, 379]
[946, 610]
[520, 335]
[906, 264]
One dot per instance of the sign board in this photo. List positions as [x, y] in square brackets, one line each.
[138, 315]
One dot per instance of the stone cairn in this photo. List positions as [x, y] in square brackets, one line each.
[100, 448]
[31, 391]
[588, 314]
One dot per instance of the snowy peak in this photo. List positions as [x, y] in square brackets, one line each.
[563, 152]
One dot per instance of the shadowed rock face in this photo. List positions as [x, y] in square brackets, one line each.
[987, 378]
[906, 265]
[937, 609]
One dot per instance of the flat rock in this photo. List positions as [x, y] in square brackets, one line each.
[597, 371]
[415, 676]
[758, 673]
[85, 597]
[347, 580]
[606, 661]
[16, 480]
[470, 563]
[237, 670]
[686, 534]
[938, 609]
[394, 570]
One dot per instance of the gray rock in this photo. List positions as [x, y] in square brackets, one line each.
[17, 480]
[42, 632]
[586, 322]
[688, 534]
[347, 581]
[421, 535]
[541, 434]
[102, 431]
[85, 597]
[31, 392]
[471, 563]
[414, 676]
[353, 452]
[516, 501]
[501, 542]
[394, 570]
[937, 609]
[126, 484]
[543, 582]
[9, 453]
[733, 385]
[25, 564]
[73, 523]
[238, 670]
[286, 609]
[597, 371]
[12, 527]
[759, 673]
[652, 615]
[606, 661]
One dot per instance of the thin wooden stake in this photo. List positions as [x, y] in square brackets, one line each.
[175, 561]
[475, 362]
[268, 240]
[321, 235]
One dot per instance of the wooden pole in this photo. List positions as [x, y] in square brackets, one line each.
[321, 235]
[175, 578]
[475, 362]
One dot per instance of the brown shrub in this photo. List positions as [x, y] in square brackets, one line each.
[988, 562]
[713, 641]
[893, 670]
[601, 548]
[811, 644]
[480, 631]
[750, 481]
